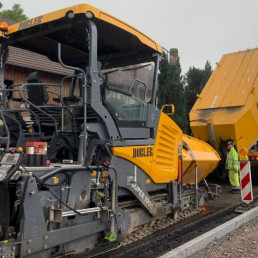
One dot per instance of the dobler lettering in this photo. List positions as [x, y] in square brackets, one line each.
[30, 23]
[142, 152]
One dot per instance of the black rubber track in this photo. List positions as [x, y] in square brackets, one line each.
[165, 240]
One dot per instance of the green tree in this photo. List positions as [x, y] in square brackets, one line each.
[16, 13]
[171, 91]
[194, 80]
[206, 73]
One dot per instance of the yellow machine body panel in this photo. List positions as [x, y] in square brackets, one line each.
[82, 9]
[139, 155]
[165, 156]
[228, 104]
[198, 154]
[232, 81]
[160, 161]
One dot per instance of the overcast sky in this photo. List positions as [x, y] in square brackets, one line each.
[201, 29]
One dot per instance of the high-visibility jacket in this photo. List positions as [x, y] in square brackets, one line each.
[232, 160]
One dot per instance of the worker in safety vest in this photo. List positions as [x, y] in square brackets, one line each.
[233, 167]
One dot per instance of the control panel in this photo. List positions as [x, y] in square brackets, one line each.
[8, 165]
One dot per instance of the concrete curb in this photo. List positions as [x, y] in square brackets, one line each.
[202, 241]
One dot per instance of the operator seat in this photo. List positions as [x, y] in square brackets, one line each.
[38, 96]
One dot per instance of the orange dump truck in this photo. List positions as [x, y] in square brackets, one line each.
[227, 108]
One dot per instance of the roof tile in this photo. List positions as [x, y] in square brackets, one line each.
[24, 58]
[28, 59]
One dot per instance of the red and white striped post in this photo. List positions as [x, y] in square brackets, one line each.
[246, 182]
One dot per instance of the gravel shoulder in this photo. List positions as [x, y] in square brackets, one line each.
[243, 242]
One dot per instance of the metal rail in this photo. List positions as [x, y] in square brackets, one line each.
[83, 211]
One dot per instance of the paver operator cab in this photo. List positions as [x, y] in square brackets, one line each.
[115, 159]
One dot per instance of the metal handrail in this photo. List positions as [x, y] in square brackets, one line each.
[7, 130]
[39, 108]
[141, 82]
[84, 133]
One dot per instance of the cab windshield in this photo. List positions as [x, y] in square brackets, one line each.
[128, 91]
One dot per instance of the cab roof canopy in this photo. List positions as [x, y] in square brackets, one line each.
[118, 43]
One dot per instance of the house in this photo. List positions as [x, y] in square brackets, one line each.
[21, 63]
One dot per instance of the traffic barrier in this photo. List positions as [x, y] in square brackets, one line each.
[246, 182]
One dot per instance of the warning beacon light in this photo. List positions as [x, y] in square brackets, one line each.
[3, 27]
[173, 57]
